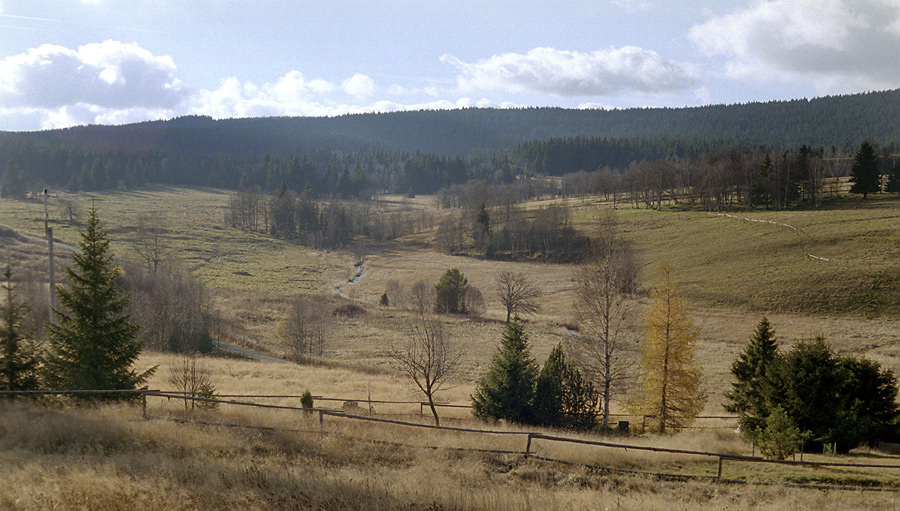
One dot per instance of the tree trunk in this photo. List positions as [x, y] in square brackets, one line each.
[437, 421]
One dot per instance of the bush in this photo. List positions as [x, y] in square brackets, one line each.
[306, 401]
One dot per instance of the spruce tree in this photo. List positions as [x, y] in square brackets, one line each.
[563, 398]
[18, 358]
[93, 344]
[450, 293]
[748, 396]
[507, 390]
[549, 391]
[864, 174]
[893, 183]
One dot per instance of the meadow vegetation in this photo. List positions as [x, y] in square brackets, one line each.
[730, 271]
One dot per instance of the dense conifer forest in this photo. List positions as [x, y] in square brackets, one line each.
[424, 151]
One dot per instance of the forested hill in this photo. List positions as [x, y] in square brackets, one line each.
[841, 121]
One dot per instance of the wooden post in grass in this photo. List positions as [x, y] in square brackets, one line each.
[528, 446]
[321, 418]
[144, 405]
[719, 471]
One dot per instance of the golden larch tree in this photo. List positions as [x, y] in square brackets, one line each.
[670, 393]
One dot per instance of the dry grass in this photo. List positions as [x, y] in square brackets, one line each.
[731, 272]
[107, 458]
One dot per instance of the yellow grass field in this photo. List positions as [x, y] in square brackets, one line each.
[731, 270]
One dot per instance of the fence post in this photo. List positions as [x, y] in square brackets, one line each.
[321, 418]
[421, 408]
[528, 446]
[144, 405]
[719, 472]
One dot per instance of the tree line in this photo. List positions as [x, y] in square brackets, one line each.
[423, 152]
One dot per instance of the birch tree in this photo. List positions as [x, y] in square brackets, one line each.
[603, 305]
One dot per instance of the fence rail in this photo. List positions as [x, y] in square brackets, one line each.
[529, 436]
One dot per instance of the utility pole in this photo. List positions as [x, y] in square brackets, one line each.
[49, 232]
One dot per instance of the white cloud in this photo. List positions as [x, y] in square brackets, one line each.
[840, 45]
[115, 83]
[291, 94]
[102, 75]
[359, 86]
[571, 73]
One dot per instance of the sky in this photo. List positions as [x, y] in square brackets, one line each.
[75, 62]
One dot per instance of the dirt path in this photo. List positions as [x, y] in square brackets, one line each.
[247, 353]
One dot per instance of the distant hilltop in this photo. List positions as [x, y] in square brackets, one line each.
[841, 121]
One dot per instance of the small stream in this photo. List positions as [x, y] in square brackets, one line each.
[360, 271]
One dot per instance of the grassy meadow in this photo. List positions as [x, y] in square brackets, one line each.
[731, 271]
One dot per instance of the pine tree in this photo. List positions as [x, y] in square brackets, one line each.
[748, 396]
[507, 390]
[93, 345]
[19, 362]
[864, 174]
[670, 392]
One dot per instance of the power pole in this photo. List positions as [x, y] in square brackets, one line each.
[49, 232]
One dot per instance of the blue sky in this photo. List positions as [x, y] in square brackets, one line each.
[71, 62]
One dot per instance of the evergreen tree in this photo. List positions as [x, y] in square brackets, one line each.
[563, 398]
[507, 390]
[748, 395]
[581, 402]
[550, 390]
[893, 183]
[670, 392]
[778, 437]
[19, 362]
[864, 174]
[759, 194]
[13, 186]
[93, 345]
[450, 293]
[808, 384]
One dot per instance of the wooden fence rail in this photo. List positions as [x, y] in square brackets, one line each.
[529, 436]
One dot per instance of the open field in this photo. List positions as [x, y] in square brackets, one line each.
[732, 271]
[107, 457]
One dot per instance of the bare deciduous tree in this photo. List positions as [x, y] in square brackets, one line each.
[517, 294]
[174, 310]
[69, 207]
[304, 327]
[474, 301]
[421, 296]
[429, 359]
[192, 378]
[148, 241]
[603, 307]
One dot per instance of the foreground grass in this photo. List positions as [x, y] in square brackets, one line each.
[108, 458]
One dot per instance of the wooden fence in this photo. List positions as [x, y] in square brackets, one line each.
[530, 439]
